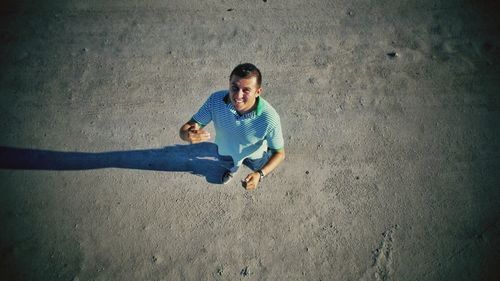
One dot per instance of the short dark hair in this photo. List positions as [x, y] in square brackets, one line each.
[247, 70]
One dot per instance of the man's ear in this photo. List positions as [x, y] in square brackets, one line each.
[258, 92]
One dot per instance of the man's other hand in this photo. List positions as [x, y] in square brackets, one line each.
[251, 181]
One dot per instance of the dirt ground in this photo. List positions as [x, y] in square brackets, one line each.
[390, 112]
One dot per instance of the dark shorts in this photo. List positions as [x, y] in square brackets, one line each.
[253, 164]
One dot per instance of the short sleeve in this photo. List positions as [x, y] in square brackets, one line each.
[204, 114]
[275, 138]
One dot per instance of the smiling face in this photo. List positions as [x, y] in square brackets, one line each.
[243, 93]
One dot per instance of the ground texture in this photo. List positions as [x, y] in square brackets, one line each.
[390, 112]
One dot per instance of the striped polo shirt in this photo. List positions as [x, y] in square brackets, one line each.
[241, 136]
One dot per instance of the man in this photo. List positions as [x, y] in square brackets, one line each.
[248, 128]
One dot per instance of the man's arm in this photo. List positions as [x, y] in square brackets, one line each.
[252, 180]
[193, 133]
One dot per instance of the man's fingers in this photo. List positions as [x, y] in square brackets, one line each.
[198, 136]
[251, 186]
[250, 182]
[200, 133]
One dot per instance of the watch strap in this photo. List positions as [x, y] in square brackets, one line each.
[261, 174]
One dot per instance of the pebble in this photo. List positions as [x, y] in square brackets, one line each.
[307, 172]
[156, 259]
[244, 271]
[392, 55]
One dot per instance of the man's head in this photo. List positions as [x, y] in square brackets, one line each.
[247, 70]
[244, 87]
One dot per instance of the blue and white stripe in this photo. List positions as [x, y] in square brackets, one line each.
[241, 136]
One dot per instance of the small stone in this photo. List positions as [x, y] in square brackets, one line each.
[156, 259]
[357, 177]
[85, 50]
[307, 172]
[244, 272]
[230, 10]
[350, 13]
[392, 55]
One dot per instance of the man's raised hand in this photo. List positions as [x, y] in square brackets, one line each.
[196, 136]
[192, 133]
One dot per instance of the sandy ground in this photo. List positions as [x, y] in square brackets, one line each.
[392, 159]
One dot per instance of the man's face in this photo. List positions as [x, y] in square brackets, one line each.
[243, 93]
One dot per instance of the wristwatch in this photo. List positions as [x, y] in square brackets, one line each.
[261, 175]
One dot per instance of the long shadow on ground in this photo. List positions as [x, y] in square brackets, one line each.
[200, 159]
